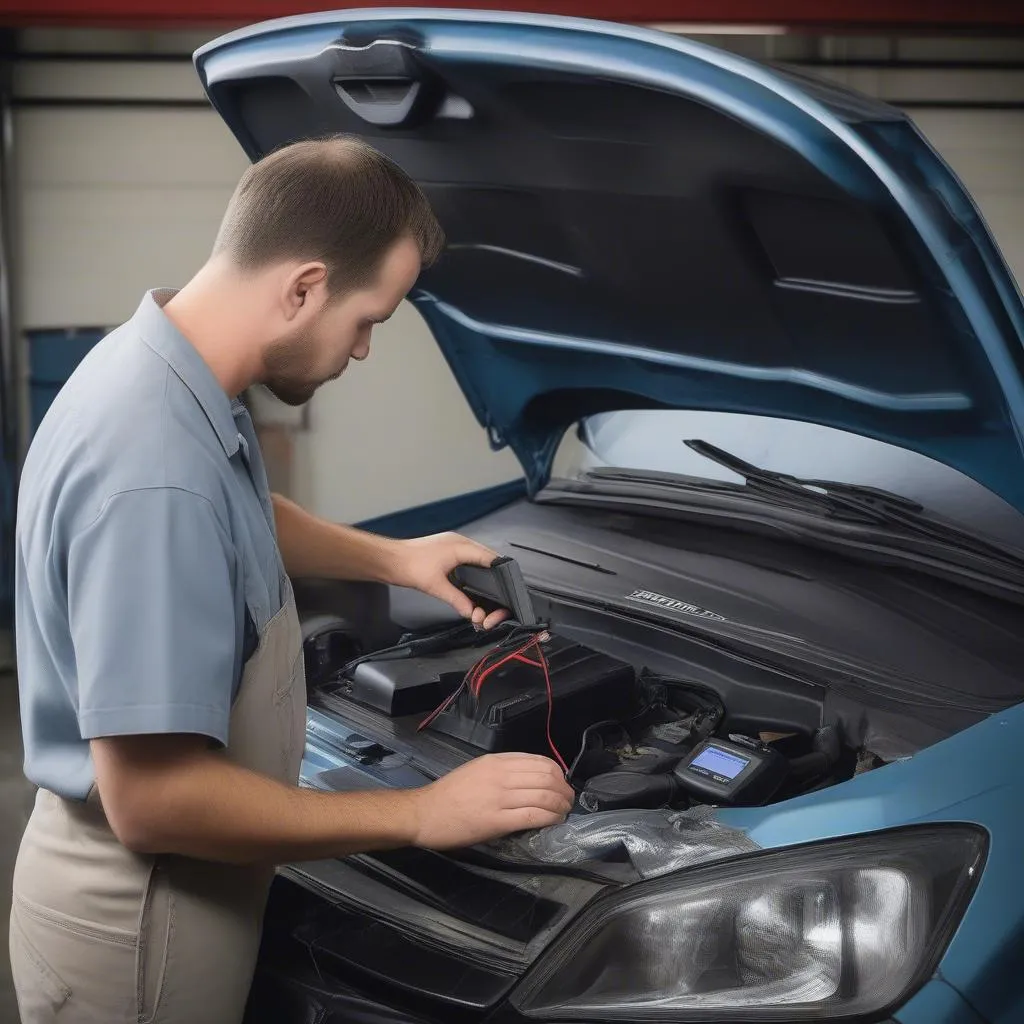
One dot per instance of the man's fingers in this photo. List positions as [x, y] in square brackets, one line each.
[526, 762]
[552, 781]
[517, 755]
[450, 594]
[491, 620]
[525, 818]
[471, 553]
[545, 799]
[538, 780]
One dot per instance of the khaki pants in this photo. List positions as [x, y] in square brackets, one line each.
[165, 939]
[101, 935]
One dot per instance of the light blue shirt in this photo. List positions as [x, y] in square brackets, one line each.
[146, 555]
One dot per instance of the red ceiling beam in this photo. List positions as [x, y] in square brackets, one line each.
[806, 14]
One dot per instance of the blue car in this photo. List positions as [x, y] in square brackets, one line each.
[771, 616]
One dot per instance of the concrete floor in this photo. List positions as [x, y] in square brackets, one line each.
[16, 797]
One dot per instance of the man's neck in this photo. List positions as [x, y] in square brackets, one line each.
[215, 314]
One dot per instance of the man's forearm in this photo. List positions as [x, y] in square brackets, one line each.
[314, 547]
[206, 806]
[245, 818]
[311, 546]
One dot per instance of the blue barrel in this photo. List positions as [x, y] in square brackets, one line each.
[52, 358]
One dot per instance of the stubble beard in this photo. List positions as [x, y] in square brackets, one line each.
[289, 370]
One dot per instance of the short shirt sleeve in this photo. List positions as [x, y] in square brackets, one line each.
[152, 615]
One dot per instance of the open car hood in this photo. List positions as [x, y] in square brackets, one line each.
[638, 221]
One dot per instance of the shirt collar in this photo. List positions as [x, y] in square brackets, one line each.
[160, 334]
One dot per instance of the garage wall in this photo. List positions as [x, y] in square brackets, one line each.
[986, 150]
[112, 201]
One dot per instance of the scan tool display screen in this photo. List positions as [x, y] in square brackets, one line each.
[720, 762]
[740, 771]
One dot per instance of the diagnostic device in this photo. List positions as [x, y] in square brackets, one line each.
[739, 770]
[499, 585]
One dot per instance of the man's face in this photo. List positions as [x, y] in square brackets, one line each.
[331, 331]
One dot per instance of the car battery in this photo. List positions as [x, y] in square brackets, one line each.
[511, 710]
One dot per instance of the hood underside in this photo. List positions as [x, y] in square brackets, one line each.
[638, 221]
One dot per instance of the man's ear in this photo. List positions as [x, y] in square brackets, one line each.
[305, 289]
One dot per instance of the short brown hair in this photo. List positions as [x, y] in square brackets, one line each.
[336, 199]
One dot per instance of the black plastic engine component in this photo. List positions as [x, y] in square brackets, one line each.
[416, 674]
[644, 752]
[510, 712]
[328, 642]
[827, 763]
[410, 685]
[628, 789]
[675, 716]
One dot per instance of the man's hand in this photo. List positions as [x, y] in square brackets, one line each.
[425, 563]
[490, 797]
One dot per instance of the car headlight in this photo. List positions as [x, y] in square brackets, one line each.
[833, 930]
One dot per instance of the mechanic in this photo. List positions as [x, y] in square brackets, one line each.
[159, 650]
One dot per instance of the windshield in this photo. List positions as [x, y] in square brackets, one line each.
[653, 441]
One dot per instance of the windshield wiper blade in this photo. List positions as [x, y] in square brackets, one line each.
[838, 492]
[834, 487]
[869, 504]
[847, 504]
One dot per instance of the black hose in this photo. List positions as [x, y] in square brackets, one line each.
[820, 762]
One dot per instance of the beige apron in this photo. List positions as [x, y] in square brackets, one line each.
[101, 935]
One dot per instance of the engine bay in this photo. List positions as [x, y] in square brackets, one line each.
[663, 718]
[808, 665]
[626, 735]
